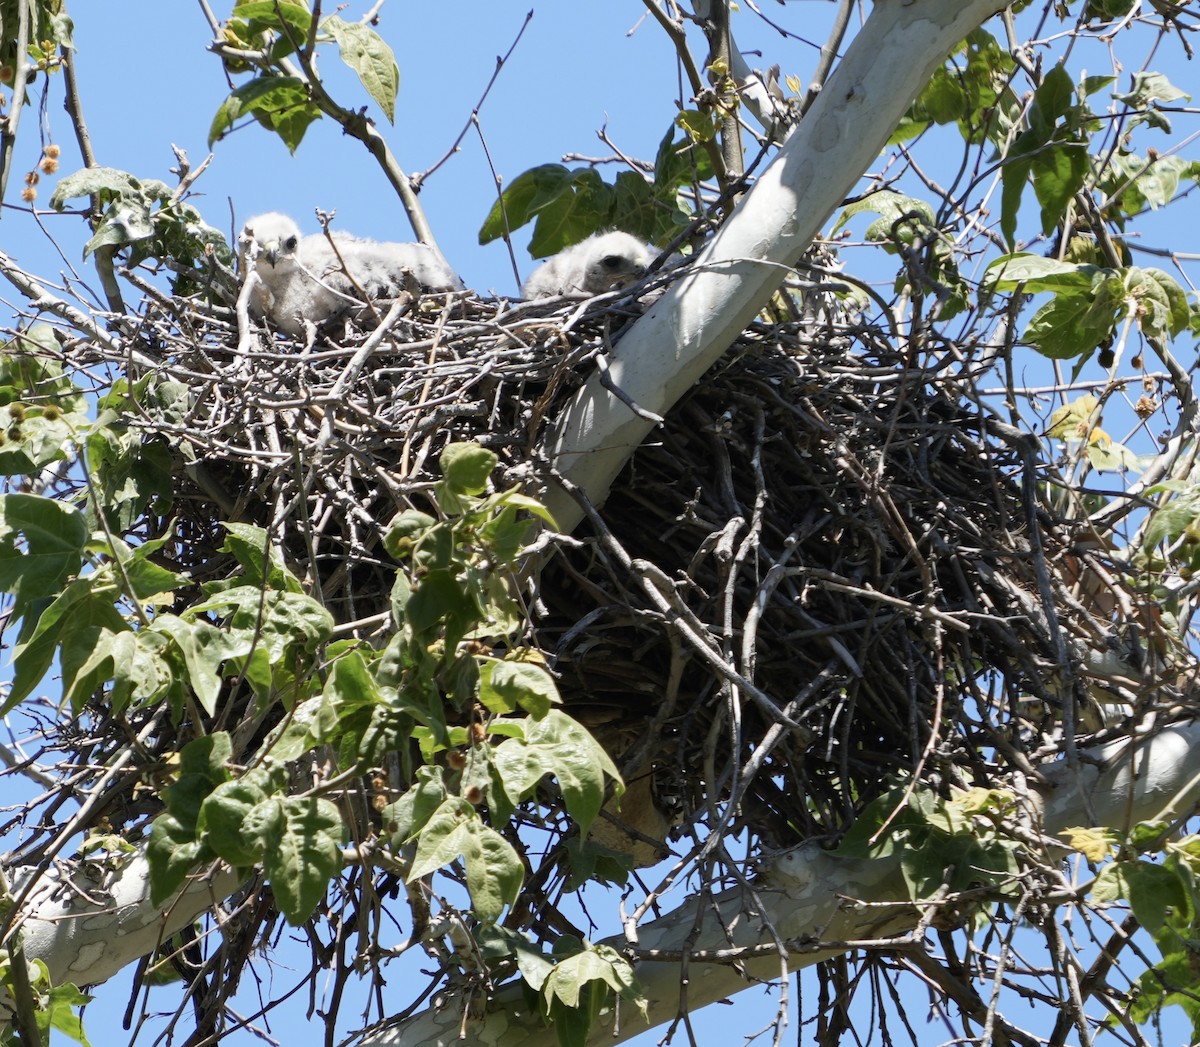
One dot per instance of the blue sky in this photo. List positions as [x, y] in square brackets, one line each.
[147, 82]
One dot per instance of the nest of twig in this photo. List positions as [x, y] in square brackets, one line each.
[828, 566]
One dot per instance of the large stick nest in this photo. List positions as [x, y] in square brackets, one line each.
[828, 566]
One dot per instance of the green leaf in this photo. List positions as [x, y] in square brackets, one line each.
[1059, 171]
[697, 125]
[467, 466]
[595, 963]
[406, 530]
[174, 849]
[1051, 101]
[204, 649]
[1070, 326]
[584, 207]
[527, 194]
[897, 212]
[1150, 88]
[129, 474]
[494, 872]
[274, 15]
[69, 627]
[505, 686]
[410, 814]
[106, 182]
[226, 811]
[300, 841]
[1034, 273]
[1172, 520]
[58, 1012]
[279, 103]
[256, 554]
[41, 543]
[1153, 891]
[364, 51]
[172, 853]
[441, 599]
[559, 746]
[1013, 177]
[1159, 302]
[497, 943]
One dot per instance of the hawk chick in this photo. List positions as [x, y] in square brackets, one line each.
[306, 281]
[602, 262]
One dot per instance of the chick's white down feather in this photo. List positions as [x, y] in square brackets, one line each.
[305, 280]
[600, 263]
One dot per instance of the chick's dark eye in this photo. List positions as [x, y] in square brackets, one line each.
[291, 243]
[612, 261]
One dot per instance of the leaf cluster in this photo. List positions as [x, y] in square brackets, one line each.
[262, 35]
[149, 218]
[567, 205]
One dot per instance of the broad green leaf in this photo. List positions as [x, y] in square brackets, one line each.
[1013, 177]
[590, 861]
[1059, 171]
[1149, 88]
[505, 686]
[1094, 844]
[1051, 101]
[172, 853]
[441, 598]
[497, 942]
[129, 474]
[679, 163]
[527, 194]
[1109, 456]
[57, 1011]
[1173, 519]
[203, 765]
[364, 51]
[1074, 420]
[280, 103]
[70, 628]
[406, 529]
[106, 182]
[226, 810]
[494, 872]
[41, 543]
[1153, 891]
[1159, 302]
[467, 466]
[146, 578]
[275, 15]
[896, 212]
[1034, 273]
[559, 746]
[204, 649]
[1108, 10]
[697, 125]
[595, 963]
[300, 839]
[1072, 324]
[174, 848]
[573, 215]
[409, 814]
[256, 554]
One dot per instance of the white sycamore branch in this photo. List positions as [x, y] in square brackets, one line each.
[681, 335]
